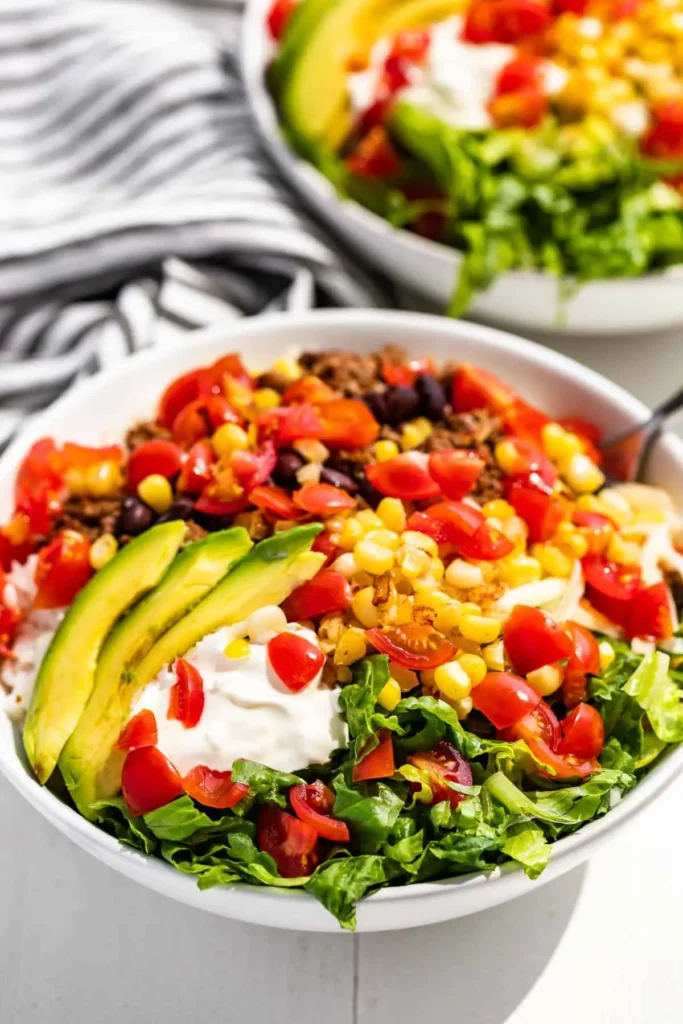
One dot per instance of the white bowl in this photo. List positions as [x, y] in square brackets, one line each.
[100, 409]
[526, 300]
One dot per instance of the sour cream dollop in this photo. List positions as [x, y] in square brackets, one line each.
[248, 711]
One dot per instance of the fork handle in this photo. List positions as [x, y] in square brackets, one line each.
[672, 404]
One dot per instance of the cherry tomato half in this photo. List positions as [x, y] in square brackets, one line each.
[313, 804]
[524, 109]
[403, 375]
[278, 17]
[474, 388]
[295, 660]
[413, 645]
[651, 613]
[456, 471]
[539, 724]
[378, 763]
[292, 844]
[442, 765]
[531, 465]
[286, 424]
[375, 156]
[252, 468]
[460, 519]
[141, 731]
[201, 417]
[487, 545]
[327, 592]
[325, 545]
[149, 780]
[532, 639]
[541, 512]
[664, 141]
[405, 476]
[610, 587]
[63, 568]
[520, 74]
[323, 499]
[158, 456]
[186, 697]
[347, 423]
[311, 390]
[213, 788]
[198, 468]
[275, 500]
[525, 422]
[504, 698]
[583, 733]
[584, 661]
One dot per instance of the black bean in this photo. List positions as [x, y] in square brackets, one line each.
[432, 396]
[338, 479]
[376, 402]
[402, 404]
[287, 466]
[370, 493]
[182, 508]
[136, 517]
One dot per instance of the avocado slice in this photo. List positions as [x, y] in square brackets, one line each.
[193, 574]
[67, 673]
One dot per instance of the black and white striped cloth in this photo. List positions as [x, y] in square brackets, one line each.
[134, 201]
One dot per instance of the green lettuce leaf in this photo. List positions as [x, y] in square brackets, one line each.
[341, 882]
[527, 844]
[658, 694]
[370, 810]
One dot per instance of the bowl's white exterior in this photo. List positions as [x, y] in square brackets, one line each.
[525, 300]
[101, 408]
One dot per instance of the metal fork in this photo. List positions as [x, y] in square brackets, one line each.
[625, 457]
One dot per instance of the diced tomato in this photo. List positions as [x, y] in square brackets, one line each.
[10, 617]
[525, 422]
[39, 486]
[252, 468]
[162, 457]
[504, 698]
[584, 661]
[63, 568]
[375, 156]
[200, 418]
[623, 8]
[186, 698]
[411, 45]
[463, 519]
[456, 471]
[403, 375]
[487, 545]
[149, 780]
[212, 506]
[177, 395]
[327, 592]
[275, 500]
[378, 763]
[479, 24]
[295, 660]
[541, 512]
[395, 73]
[214, 379]
[278, 17]
[347, 423]
[474, 388]
[542, 734]
[664, 140]
[289, 423]
[377, 112]
[583, 733]
[505, 21]
[610, 587]
[413, 645]
[434, 528]
[309, 389]
[324, 545]
[541, 723]
[525, 108]
[531, 465]
[405, 476]
[141, 731]
[292, 844]
[532, 639]
[313, 804]
[198, 468]
[442, 765]
[323, 499]
[573, 6]
[651, 613]
[213, 788]
[520, 74]
[202, 382]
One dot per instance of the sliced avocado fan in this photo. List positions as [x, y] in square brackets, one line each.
[191, 576]
[67, 673]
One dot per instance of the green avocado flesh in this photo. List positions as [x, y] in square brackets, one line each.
[86, 761]
[67, 673]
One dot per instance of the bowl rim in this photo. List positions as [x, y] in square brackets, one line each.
[161, 876]
[253, 57]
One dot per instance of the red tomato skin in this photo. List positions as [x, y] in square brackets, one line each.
[289, 423]
[186, 699]
[312, 804]
[505, 699]
[413, 646]
[295, 660]
[253, 468]
[149, 780]
[347, 423]
[324, 545]
[465, 519]
[541, 512]
[375, 156]
[177, 395]
[215, 507]
[525, 422]
[141, 731]
[322, 499]
[519, 74]
[487, 545]
[532, 639]
[274, 500]
[404, 374]
[62, 570]
[664, 141]
[404, 476]
[378, 763]
[443, 764]
[531, 465]
[158, 456]
[610, 587]
[583, 733]
[16, 543]
[213, 788]
[584, 661]
[474, 388]
[541, 723]
[310, 390]
[10, 618]
[650, 613]
[198, 468]
[327, 592]
[278, 17]
[525, 108]
[292, 844]
[456, 471]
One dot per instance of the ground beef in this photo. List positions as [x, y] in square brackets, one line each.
[350, 372]
[276, 381]
[90, 516]
[476, 429]
[148, 430]
[194, 531]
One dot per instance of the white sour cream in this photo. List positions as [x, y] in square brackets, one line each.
[248, 711]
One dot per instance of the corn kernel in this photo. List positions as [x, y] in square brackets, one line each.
[403, 610]
[103, 480]
[373, 558]
[520, 569]
[558, 443]
[572, 538]
[421, 541]
[385, 539]
[351, 532]
[498, 509]
[362, 579]
[389, 695]
[545, 680]
[435, 600]
[494, 656]
[474, 665]
[346, 564]
[266, 398]
[369, 520]
[480, 628]
[452, 680]
[437, 569]
[463, 707]
[102, 551]
[393, 514]
[412, 561]
[343, 674]
[385, 450]
[614, 506]
[582, 474]
[229, 438]
[416, 433]
[553, 561]
[351, 646]
[622, 551]
[463, 575]
[311, 449]
[363, 608]
[75, 481]
[156, 491]
[287, 368]
[405, 677]
[237, 648]
[507, 457]
[309, 474]
[448, 618]
[607, 654]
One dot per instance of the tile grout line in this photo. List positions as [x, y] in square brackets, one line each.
[355, 989]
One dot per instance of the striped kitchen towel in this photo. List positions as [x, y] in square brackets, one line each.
[134, 200]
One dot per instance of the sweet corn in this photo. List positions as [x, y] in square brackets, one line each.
[237, 648]
[385, 450]
[498, 509]
[437, 569]
[389, 695]
[369, 520]
[452, 680]
[571, 537]
[351, 532]
[614, 506]
[363, 608]
[607, 654]
[480, 628]
[506, 456]
[553, 561]
[266, 398]
[463, 575]
[463, 707]
[402, 611]
[351, 646]
[287, 368]
[392, 513]
[405, 677]
[582, 474]
[545, 680]
[412, 561]
[474, 665]
[102, 551]
[622, 551]
[385, 539]
[494, 656]
[373, 558]
[520, 569]
[229, 438]
[558, 443]
[311, 450]
[343, 674]
[309, 474]
[416, 433]
[103, 480]
[435, 600]
[448, 618]
[346, 564]
[156, 491]
[421, 541]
